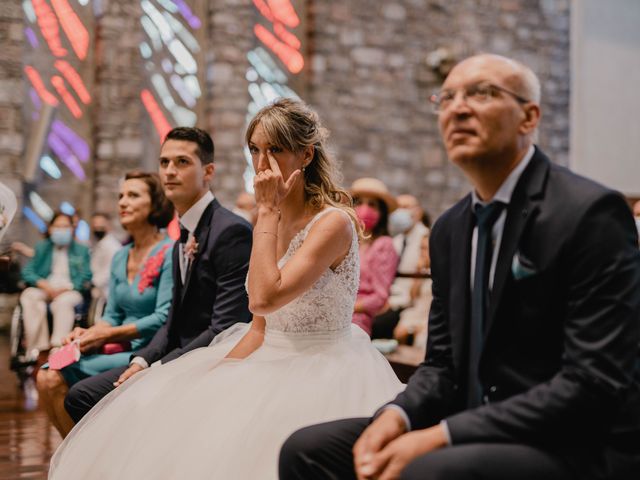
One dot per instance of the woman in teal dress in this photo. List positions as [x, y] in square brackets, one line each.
[140, 292]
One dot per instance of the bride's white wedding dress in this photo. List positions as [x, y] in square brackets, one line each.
[205, 417]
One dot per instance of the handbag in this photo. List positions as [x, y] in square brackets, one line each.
[116, 347]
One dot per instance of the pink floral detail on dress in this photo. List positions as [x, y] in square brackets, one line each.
[191, 249]
[151, 269]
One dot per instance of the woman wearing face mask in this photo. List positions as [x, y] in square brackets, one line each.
[57, 275]
[378, 258]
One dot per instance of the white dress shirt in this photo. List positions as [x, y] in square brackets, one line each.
[190, 221]
[101, 257]
[503, 195]
[59, 277]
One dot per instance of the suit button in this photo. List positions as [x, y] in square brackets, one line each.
[485, 399]
[493, 389]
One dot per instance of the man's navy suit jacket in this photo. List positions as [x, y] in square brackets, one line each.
[214, 296]
[559, 366]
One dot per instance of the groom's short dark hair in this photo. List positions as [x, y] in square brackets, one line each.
[197, 136]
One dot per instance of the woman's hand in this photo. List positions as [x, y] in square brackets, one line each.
[93, 338]
[270, 188]
[75, 333]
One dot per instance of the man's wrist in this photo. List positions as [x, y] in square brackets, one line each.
[139, 361]
[396, 414]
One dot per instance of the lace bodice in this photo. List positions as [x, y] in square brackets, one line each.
[328, 305]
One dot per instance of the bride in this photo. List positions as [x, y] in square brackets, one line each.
[223, 411]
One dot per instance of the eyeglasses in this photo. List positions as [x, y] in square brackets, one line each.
[476, 94]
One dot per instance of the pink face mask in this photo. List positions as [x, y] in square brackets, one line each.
[369, 216]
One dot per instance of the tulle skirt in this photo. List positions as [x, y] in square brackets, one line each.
[203, 416]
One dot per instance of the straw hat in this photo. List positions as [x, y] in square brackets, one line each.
[374, 188]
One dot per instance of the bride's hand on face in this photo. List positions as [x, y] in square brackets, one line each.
[270, 187]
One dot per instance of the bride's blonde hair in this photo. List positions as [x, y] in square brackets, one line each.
[292, 125]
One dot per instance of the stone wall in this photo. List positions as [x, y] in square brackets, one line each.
[123, 135]
[230, 38]
[12, 139]
[371, 80]
[370, 69]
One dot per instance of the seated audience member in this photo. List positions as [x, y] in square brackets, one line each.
[140, 295]
[105, 247]
[58, 276]
[246, 207]
[412, 326]
[406, 225]
[378, 257]
[532, 365]
[210, 264]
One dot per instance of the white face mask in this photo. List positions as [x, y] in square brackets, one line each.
[400, 221]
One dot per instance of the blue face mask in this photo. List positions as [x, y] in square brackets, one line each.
[400, 221]
[61, 237]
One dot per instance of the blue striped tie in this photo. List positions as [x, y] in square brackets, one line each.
[486, 216]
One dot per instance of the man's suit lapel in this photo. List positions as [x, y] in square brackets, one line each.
[177, 283]
[202, 235]
[522, 209]
[460, 268]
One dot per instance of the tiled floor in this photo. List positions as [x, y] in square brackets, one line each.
[27, 439]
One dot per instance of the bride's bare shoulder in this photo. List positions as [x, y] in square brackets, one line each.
[334, 223]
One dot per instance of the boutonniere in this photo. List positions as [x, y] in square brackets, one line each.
[151, 269]
[191, 249]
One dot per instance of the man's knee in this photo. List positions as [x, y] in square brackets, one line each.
[297, 443]
[78, 402]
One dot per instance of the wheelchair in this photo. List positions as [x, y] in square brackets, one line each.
[24, 362]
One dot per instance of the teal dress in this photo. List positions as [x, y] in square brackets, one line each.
[145, 302]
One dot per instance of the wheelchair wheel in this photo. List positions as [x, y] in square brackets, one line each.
[21, 361]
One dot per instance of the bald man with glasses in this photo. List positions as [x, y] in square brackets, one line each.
[532, 366]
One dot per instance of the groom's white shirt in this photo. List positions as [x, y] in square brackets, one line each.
[190, 221]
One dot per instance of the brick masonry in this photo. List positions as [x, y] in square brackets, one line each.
[370, 68]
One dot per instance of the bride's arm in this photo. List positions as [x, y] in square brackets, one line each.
[270, 288]
[251, 340]
[327, 242]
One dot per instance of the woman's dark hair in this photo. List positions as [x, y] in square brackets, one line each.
[426, 219]
[161, 208]
[56, 214]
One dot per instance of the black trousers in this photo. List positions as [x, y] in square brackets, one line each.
[385, 323]
[83, 395]
[324, 452]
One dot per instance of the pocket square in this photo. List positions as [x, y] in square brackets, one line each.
[521, 267]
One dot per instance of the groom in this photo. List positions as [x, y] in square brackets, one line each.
[210, 264]
[532, 364]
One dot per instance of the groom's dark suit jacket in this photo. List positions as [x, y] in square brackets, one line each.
[214, 296]
[560, 365]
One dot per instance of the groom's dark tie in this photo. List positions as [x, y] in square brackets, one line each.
[486, 216]
[184, 236]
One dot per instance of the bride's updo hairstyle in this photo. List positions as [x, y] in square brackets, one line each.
[292, 125]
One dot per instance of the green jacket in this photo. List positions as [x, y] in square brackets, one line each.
[39, 267]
